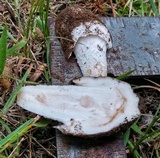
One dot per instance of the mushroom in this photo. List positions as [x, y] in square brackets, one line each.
[91, 107]
[83, 33]
[96, 104]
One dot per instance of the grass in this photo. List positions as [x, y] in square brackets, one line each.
[16, 134]
[145, 136]
[11, 99]
[3, 49]
[25, 47]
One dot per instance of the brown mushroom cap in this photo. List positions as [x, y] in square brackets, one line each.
[70, 18]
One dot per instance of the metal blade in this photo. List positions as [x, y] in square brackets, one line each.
[136, 46]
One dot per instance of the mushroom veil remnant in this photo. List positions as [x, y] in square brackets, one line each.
[83, 33]
[96, 104]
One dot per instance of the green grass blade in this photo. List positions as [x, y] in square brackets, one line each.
[39, 23]
[3, 49]
[10, 101]
[16, 6]
[15, 135]
[8, 34]
[145, 135]
[5, 126]
[42, 23]
[126, 136]
[46, 19]
[142, 8]
[125, 75]
[137, 129]
[44, 16]
[43, 123]
[136, 153]
[47, 75]
[41, 12]
[16, 47]
[153, 6]
[153, 136]
[1, 156]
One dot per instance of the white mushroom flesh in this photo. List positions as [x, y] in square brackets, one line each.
[90, 53]
[91, 107]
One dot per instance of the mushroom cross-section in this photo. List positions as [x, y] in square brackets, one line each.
[94, 106]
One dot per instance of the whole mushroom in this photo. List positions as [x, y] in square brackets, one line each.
[96, 104]
[83, 33]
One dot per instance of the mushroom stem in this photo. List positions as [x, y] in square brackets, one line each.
[90, 52]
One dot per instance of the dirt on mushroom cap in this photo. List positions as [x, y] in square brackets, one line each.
[67, 20]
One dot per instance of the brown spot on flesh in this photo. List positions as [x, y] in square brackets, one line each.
[20, 94]
[99, 48]
[41, 98]
[119, 110]
[100, 68]
[89, 72]
[86, 101]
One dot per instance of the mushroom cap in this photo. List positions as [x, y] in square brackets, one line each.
[75, 22]
[92, 107]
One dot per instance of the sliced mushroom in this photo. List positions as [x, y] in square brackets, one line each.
[93, 106]
[83, 33]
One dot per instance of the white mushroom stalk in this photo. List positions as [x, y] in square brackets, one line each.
[90, 52]
[93, 106]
